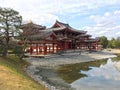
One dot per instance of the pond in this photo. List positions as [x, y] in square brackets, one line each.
[95, 75]
[105, 77]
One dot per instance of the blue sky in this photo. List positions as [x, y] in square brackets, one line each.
[98, 17]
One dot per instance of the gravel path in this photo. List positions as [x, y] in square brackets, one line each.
[68, 58]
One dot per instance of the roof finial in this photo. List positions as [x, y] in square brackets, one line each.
[56, 20]
[30, 21]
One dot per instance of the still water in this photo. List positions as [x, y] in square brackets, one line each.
[104, 77]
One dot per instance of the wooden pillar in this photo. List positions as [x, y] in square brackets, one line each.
[49, 48]
[65, 45]
[53, 48]
[79, 45]
[31, 50]
[45, 49]
[61, 46]
[37, 49]
[71, 45]
[89, 44]
[40, 50]
[96, 46]
[56, 47]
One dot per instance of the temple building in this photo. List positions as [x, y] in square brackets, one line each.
[60, 37]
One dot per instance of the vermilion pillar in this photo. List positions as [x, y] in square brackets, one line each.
[45, 49]
[31, 50]
[53, 48]
[37, 49]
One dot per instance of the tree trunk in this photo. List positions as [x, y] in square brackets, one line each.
[5, 51]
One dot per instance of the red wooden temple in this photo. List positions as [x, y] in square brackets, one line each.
[61, 36]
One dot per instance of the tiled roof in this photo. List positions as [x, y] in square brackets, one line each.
[38, 32]
[69, 27]
[32, 25]
[41, 35]
[91, 40]
[55, 29]
[83, 35]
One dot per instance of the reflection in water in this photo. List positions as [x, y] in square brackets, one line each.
[117, 65]
[70, 73]
[105, 77]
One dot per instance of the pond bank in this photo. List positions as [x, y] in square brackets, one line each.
[43, 69]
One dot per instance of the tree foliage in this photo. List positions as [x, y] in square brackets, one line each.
[113, 43]
[10, 22]
[103, 41]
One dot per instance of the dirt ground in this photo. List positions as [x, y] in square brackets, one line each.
[116, 51]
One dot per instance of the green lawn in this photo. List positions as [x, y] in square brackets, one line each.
[13, 77]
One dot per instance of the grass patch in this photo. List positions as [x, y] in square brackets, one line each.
[116, 58]
[13, 77]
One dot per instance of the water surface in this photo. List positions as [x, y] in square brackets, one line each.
[104, 77]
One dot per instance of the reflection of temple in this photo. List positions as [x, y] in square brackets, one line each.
[60, 36]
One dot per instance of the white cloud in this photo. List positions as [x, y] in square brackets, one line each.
[47, 11]
[104, 31]
[118, 33]
[40, 18]
[117, 12]
[105, 77]
[104, 71]
[56, 6]
[101, 32]
[107, 14]
[105, 25]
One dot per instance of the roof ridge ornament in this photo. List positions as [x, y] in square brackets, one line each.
[30, 21]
